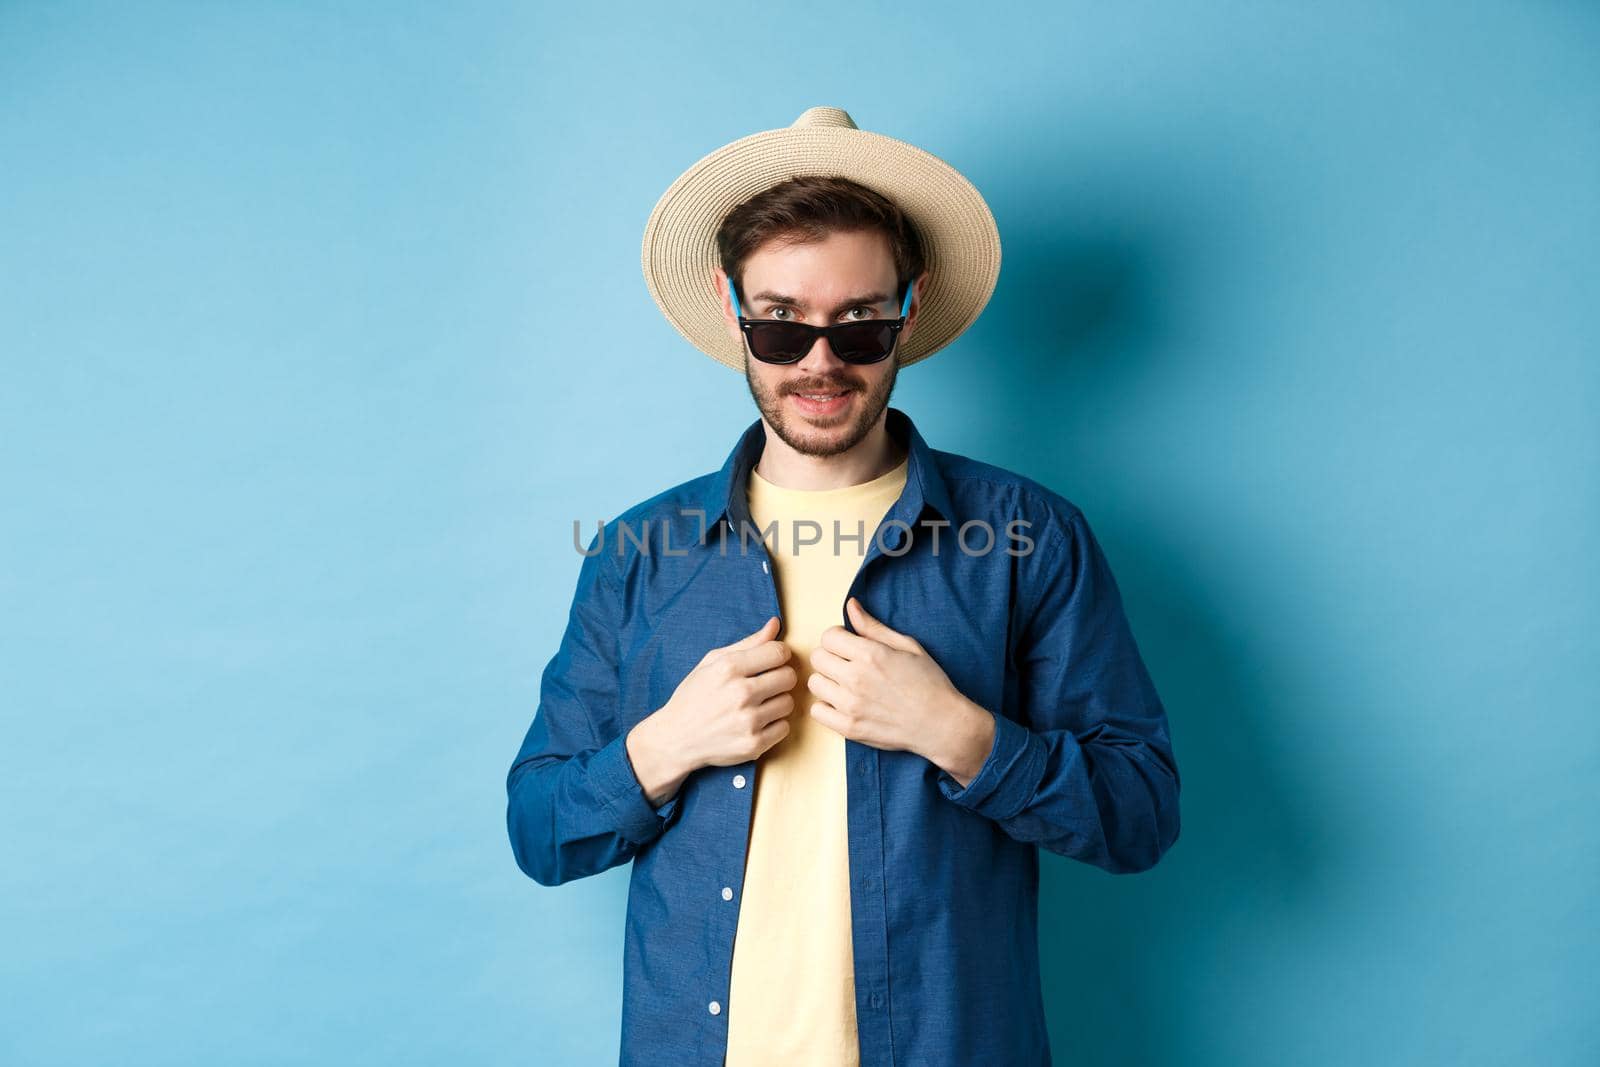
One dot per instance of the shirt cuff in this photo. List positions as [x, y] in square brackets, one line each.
[618, 787]
[1009, 776]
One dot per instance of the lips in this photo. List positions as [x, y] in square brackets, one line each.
[822, 404]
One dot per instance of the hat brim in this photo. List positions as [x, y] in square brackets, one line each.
[962, 242]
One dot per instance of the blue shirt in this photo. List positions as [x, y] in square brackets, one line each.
[943, 879]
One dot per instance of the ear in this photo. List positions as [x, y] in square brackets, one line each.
[719, 286]
[918, 287]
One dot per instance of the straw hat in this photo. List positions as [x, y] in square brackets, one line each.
[962, 243]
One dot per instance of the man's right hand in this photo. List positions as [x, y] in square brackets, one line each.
[731, 708]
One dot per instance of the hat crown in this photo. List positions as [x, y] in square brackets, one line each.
[826, 116]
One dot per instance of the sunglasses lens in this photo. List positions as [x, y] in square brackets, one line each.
[779, 342]
[863, 342]
[775, 341]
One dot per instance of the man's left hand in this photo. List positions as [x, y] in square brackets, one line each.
[880, 687]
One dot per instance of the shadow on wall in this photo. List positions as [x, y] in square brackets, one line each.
[1130, 962]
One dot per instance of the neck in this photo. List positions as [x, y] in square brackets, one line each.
[873, 456]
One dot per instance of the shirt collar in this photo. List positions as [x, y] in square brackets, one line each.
[724, 496]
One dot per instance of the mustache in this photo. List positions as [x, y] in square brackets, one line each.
[833, 386]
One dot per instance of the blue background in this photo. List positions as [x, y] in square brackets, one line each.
[322, 323]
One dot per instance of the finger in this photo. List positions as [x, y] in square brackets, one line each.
[842, 642]
[777, 706]
[826, 690]
[780, 679]
[869, 625]
[773, 732]
[757, 658]
[831, 665]
[828, 716]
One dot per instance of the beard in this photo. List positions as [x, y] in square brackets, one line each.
[809, 438]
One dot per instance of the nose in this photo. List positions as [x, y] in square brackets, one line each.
[821, 357]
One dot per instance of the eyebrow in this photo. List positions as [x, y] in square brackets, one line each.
[779, 298]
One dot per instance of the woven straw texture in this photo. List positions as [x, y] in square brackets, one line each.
[963, 244]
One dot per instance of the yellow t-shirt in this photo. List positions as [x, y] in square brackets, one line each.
[791, 1000]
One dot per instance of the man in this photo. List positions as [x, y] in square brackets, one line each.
[832, 698]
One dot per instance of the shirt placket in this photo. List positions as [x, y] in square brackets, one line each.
[869, 918]
[865, 818]
[739, 780]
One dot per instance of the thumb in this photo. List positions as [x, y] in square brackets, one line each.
[767, 632]
[867, 625]
[768, 629]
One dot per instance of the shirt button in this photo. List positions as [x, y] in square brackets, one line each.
[738, 781]
[716, 1009]
[764, 568]
[877, 1000]
[727, 892]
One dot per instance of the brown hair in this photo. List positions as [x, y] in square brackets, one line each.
[809, 208]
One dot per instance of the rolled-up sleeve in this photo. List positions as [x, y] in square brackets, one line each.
[1086, 769]
[574, 806]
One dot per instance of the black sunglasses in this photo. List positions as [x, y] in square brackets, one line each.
[781, 341]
